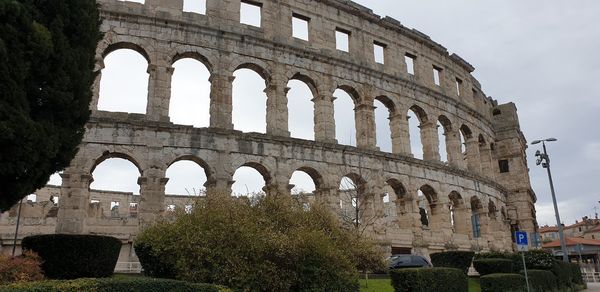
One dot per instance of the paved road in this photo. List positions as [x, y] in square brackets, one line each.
[593, 287]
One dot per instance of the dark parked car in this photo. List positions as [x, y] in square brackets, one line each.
[408, 261]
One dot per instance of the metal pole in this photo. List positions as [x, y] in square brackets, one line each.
[17, 228]
[561, 236]
[525, 269]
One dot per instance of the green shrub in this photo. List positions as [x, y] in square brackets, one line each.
[268, 243]
[67, 256]
[24, 268]
[453, 259]
[541, 280]
[514, 257]
[503, 283]
[539, 259]
[113, 284]
[492, 266]
[562, 271]
[577, 276]
[425, 279]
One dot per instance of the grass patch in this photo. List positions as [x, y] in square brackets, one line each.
[385, 285]
[376, 285]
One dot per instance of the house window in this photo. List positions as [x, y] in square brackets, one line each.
[250, 13]
[410, 63]
[476, 225]
[342, 40]
[379, 52]
[503, 165]
[195, 6]
[300, 26]
[437, 75]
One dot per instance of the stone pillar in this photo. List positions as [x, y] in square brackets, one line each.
[453, 148]
[74, 202]
[485, 152]
[277, 111]
[473, 160]
[429, 139]
[96, 86]
[364, 116]
[407, 211]
[395, 129]
[152, 196]
[404, 136]
[324, 119]
[159, 92]
[221, 86]
[462, 220]
[216, 186]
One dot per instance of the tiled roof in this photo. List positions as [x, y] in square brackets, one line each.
[571, 241]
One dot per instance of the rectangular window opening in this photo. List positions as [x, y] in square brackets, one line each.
[410, 63]
[458, 86]
[436, 75]
[171, 208]
[300, 26]
[250, 13]
[379, 51]
[503, 165]
[94, 201]
[342, 40]
[32, 198]
[194, 6]
[188, 209]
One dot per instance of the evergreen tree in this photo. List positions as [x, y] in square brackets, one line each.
[47, 50]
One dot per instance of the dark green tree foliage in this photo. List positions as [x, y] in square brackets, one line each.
[47, 50]
[453, 259]
[541, 280]
[425, 280]
[113, 285]
[503, 283]
[71, 256]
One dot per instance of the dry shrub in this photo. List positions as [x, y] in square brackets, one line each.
[20, 269]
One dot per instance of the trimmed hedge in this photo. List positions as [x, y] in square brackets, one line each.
[66, 256]
[562, 271]
[429, 279]
[541, 280]
[503, 283]
[577, 276]
[492, 266]
[114, 284]
[154, 265]
[453, 259]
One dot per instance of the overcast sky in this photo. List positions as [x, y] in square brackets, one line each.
[542, 55]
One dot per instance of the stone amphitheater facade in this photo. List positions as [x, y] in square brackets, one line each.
[489, 180]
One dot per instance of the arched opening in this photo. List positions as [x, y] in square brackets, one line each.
[301, 108]
[353, 205]
[416, 117]
[397, 200]
[444, 127]
[186, 178]
[55, 179]
[250, 180]
[476, 209]
[303, 183]
[249, 100]
[456, 207]
[124, 82]
[114, 191]
[492, 210]
[465, 135]
[427, 200]
[384, 109]
[190, 93]
[344, 114]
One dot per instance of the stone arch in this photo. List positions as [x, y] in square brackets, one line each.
[261, 68]
[446, 123]
[308, 80]
[466, 132]
[398, 187]
[476, 205]
[351, 91]
[356, 179]
[481, 140]
[476, 220]
[126, 45]
[492, 209]
[314, 174]
[107, 155]
[384, 123]
[420, 113]
[429, 193]
[388, 102]
[207, 169]
[455, 199]
[198, 54]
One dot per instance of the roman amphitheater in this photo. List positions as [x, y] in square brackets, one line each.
[472, 201]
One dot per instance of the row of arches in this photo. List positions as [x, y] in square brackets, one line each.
[259, 98]
[188, 175]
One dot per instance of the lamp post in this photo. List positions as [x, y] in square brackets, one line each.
[544, 160]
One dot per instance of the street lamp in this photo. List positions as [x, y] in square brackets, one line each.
[544, 160]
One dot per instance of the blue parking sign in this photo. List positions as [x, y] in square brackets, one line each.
[522, 238]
